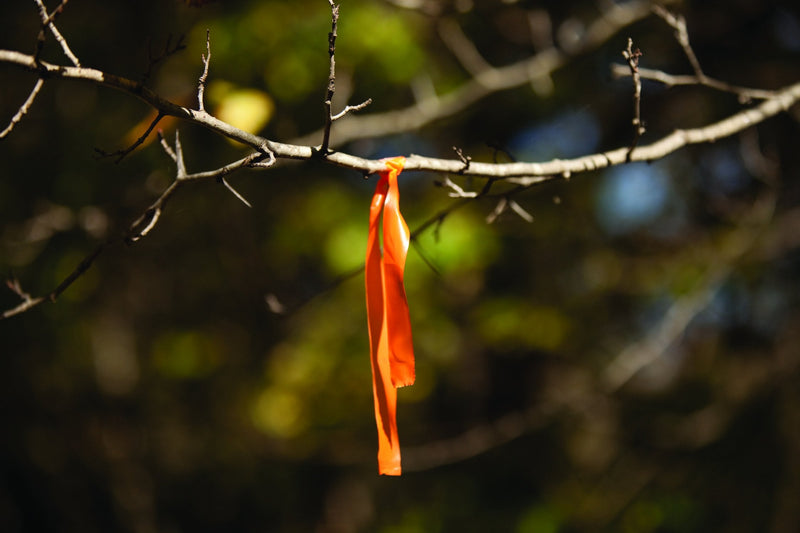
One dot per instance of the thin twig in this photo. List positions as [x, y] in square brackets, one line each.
[29, 303]
[632, 57]
[201, 84]
[678, 23]
[125, 151]
[25, 305]
[499, 209]
[167, 148]
[455, 190]
[56, 12]
[47, 22]
[519, 210]
[169, 50]
[672, 80]
[24, 108]
[350, 108]
[462, 47]
[331, 88]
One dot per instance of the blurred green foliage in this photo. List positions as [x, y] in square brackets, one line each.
[162, 392]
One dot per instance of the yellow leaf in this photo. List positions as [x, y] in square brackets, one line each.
[247, 109]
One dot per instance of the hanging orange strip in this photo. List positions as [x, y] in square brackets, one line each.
[391, 351]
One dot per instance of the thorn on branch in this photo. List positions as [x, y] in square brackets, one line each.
[167, 148]
[518, 209]
[181, 164]
[201, 84]
[498, 210]
[464, 159]
[228, 186]
[176, 155]
[455, 190]
[501, 207]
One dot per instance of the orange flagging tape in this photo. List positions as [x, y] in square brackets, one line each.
[391, 351]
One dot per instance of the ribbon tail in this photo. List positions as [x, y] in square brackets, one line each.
[384, 393]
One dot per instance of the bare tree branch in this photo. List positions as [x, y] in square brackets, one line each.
[487, 79]
[522, 173]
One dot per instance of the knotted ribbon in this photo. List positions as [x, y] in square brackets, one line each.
[391, 350]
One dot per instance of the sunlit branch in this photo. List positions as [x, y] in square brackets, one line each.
[519, 172]
[24, 108]
[201, 83]
[47, 22]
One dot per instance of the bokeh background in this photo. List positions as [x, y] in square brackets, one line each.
[627, 361]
